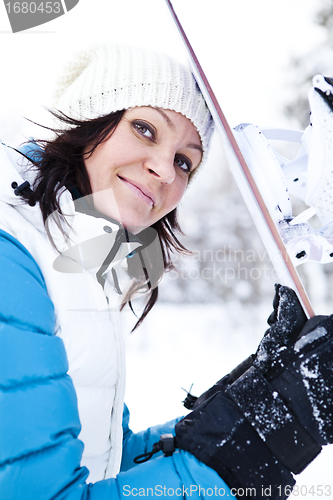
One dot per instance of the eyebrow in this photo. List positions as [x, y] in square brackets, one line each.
[195, 146]
[166, 118]
[172, 125]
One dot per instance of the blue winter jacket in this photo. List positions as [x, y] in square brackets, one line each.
[39, 423]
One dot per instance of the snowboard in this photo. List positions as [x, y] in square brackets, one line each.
[263, 190]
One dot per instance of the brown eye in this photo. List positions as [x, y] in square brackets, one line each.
[183, 163]
[144, 129]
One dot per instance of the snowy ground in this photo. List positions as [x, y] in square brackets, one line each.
[180, 345]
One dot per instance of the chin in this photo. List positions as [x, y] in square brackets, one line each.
[134, 227]
[134, 223]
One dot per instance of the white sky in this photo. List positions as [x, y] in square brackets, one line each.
[242, 45]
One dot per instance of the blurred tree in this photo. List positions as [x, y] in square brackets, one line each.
[229, 261]
[304, 68]
[317, 278]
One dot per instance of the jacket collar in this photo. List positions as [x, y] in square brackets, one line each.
[84, 240]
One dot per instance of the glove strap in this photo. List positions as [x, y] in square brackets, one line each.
[283, 434]
[167, 444]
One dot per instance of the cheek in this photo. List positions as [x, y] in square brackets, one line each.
[94, 167]
[100, 167]
[176, 194]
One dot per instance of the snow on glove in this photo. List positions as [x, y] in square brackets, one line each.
[274, 418]
[286, 321]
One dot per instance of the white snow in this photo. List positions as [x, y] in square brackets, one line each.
[307, 373]
[310, 337]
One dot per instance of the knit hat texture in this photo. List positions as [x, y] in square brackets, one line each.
[111, 77]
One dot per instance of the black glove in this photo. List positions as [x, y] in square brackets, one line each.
[271, 420]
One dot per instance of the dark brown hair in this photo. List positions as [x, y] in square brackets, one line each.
[60, 164]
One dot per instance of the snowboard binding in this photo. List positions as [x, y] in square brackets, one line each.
[308, 177]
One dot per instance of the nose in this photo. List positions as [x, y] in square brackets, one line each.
[161, 167]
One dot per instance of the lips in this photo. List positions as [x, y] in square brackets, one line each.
[141, 191]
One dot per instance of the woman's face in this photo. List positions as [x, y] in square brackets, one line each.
[140, 173]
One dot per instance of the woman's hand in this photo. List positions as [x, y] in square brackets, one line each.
[270, 417]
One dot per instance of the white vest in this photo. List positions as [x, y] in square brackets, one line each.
[87, 317]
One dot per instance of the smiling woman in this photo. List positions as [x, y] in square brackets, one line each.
[80, 212]
[130, 141]
[146, 162]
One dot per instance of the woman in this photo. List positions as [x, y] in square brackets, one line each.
[79, 213]
[121, 164]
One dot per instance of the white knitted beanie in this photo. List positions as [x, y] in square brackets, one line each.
[111, 77]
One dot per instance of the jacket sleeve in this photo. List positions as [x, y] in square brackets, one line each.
[135, 444]
[40, 451]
